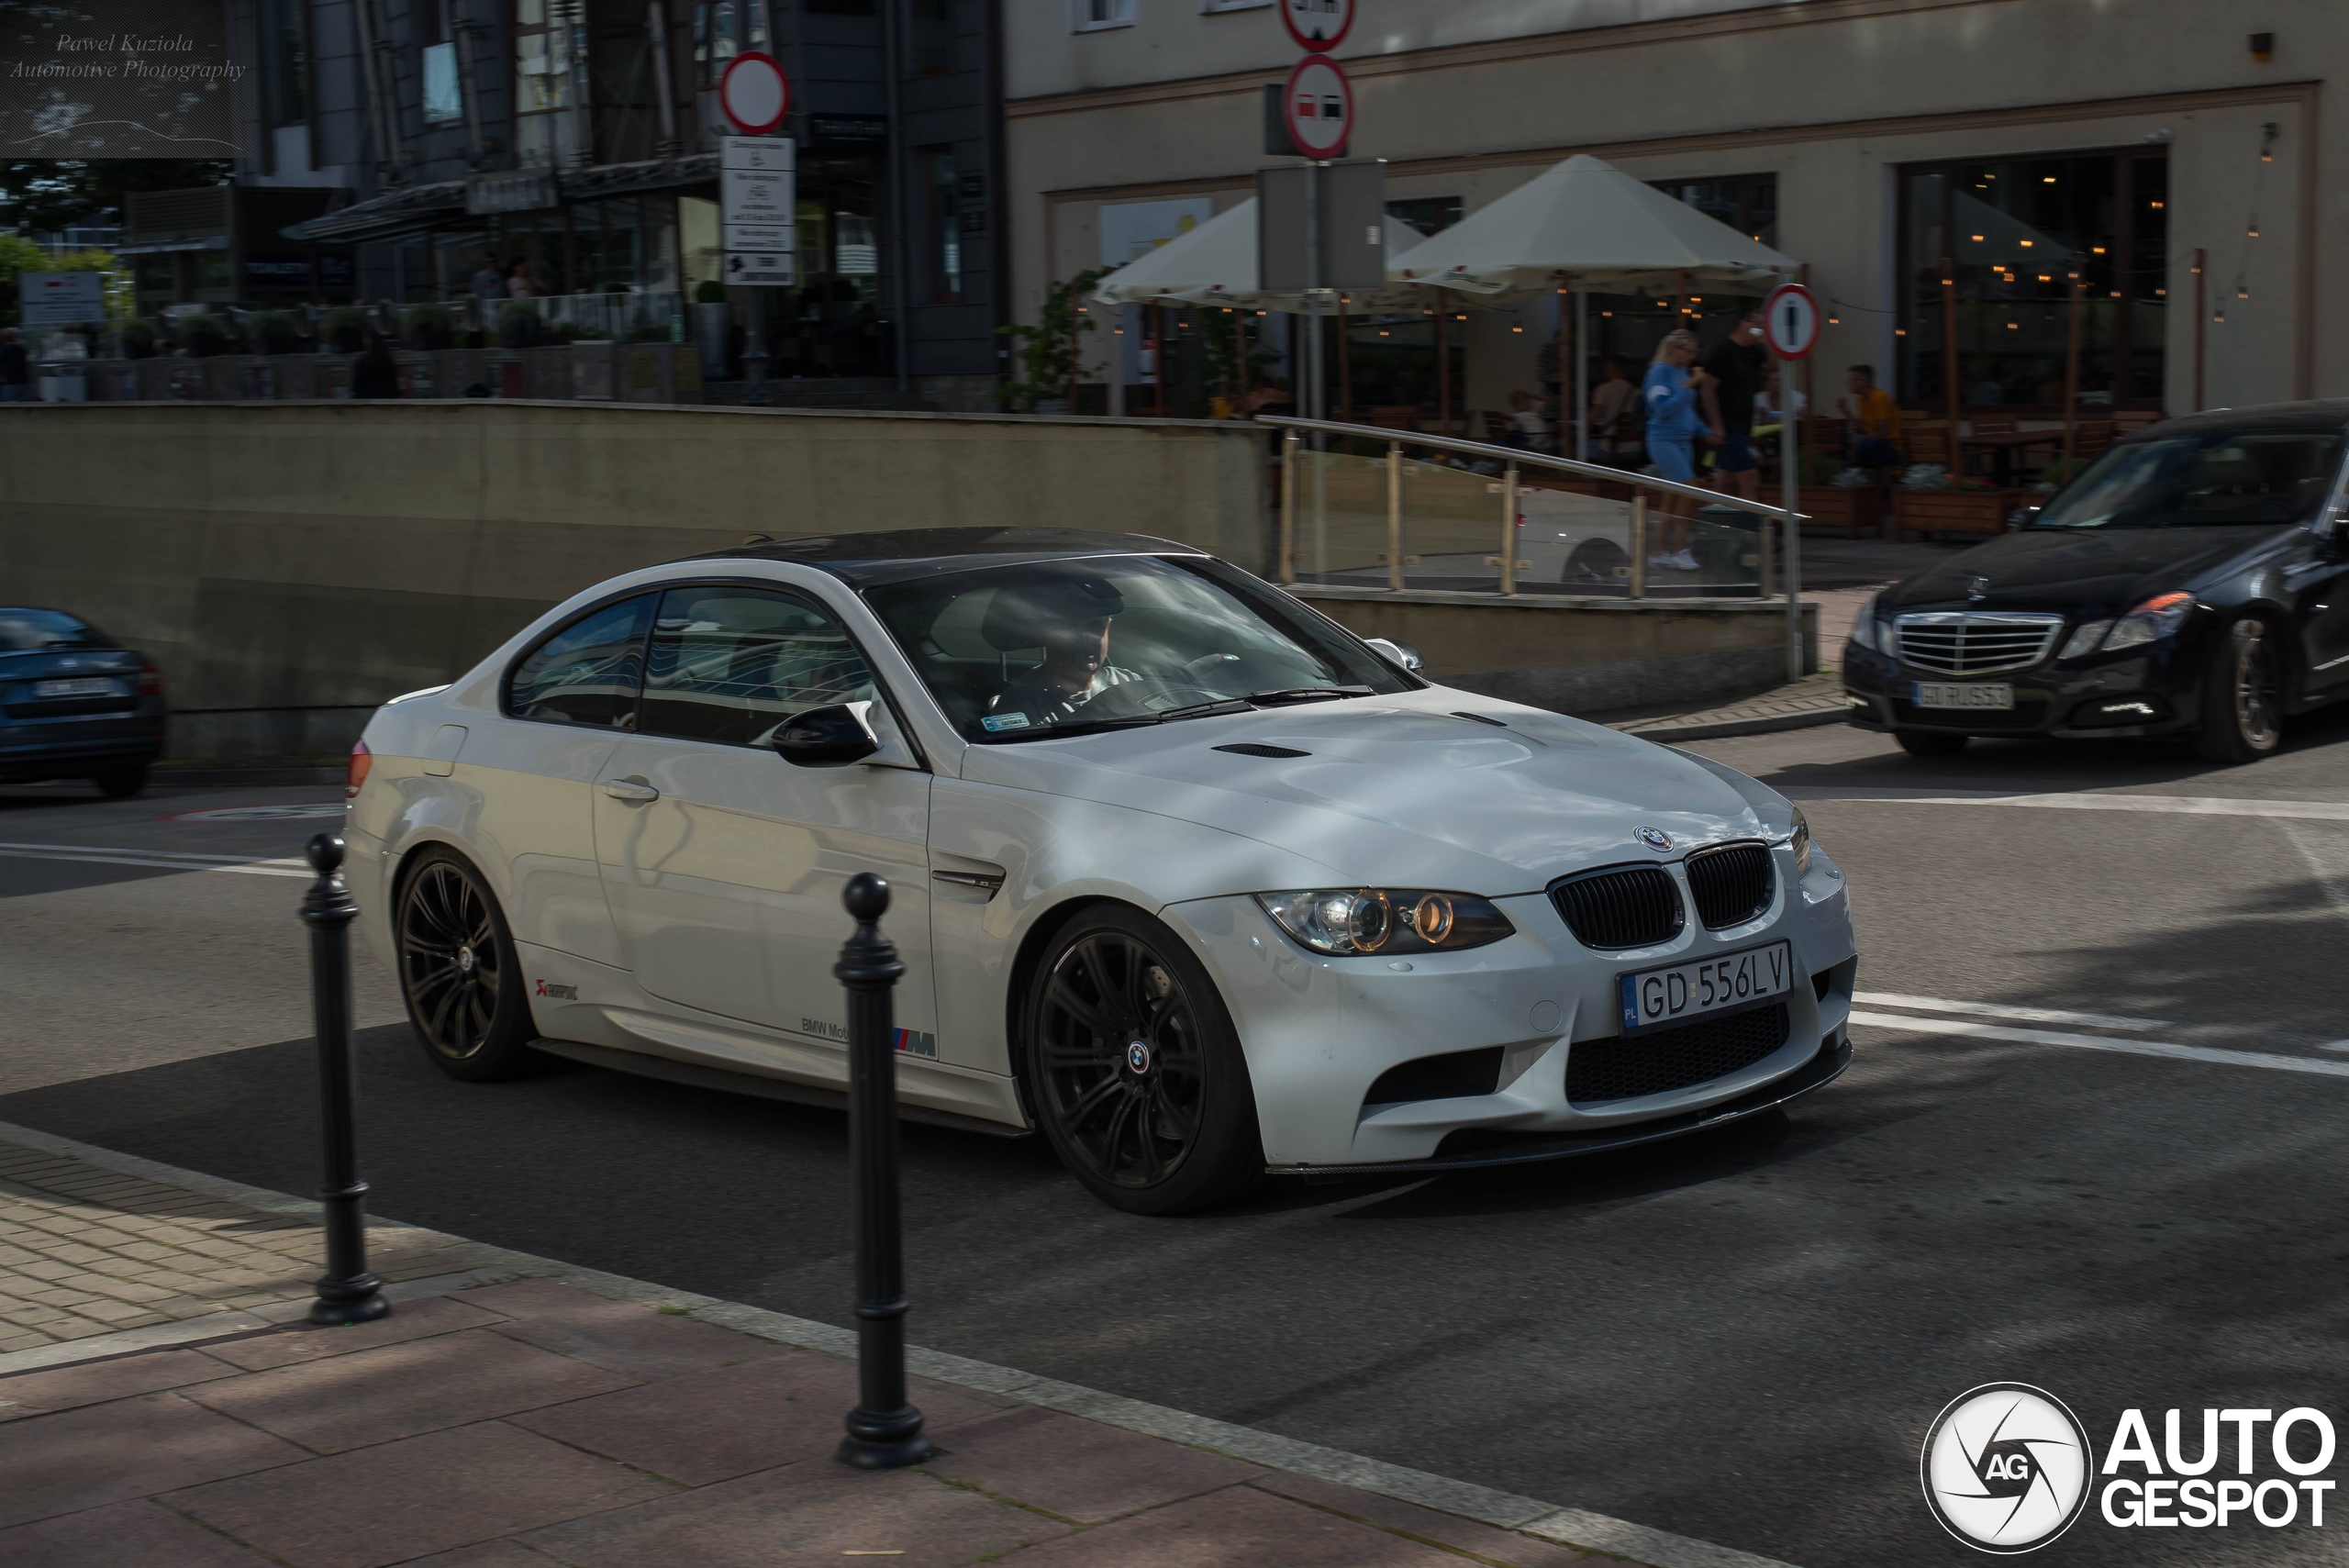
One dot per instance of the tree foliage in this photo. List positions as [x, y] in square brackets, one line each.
[41, 196]
[1052, 351]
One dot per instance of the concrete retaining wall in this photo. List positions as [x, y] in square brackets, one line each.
[1581, 655]
[280, 559]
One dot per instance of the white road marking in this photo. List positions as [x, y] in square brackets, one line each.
[2105, 1042]
[2001, 1010]
[169, 859]
[2088, 800]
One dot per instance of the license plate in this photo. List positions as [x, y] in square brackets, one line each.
[99, 687]
[1961, 694]
[1659, 998]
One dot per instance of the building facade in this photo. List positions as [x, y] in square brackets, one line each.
[2169, 150]
[579, 138]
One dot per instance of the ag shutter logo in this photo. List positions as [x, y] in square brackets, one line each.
[2006, 1468]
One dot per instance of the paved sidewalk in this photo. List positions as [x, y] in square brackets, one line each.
[1815, 699]
[515, 1413]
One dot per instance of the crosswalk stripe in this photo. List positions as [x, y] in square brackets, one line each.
[1969, 1029]
[2175, 805]
[2005, 1010]
[133, 858]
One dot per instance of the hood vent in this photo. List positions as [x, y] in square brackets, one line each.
[1254, 749]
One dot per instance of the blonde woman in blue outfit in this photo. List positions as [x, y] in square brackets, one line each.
[1671, 392]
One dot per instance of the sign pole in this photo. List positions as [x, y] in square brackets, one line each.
[1313, 290]
[1790, 322]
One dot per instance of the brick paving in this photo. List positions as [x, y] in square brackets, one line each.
[1817, 698]
[86, 1251]
[161, 1401]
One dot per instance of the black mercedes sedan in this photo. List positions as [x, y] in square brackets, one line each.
[75, 704]
[2192, 582]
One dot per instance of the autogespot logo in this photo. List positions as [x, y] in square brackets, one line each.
[2006, 1467]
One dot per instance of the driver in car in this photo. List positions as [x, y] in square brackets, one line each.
[1069, 620]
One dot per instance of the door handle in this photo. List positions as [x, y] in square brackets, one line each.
[629, 789]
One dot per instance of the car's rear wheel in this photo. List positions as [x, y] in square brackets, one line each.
[121, 784]
[1930, 742]
[1134, 1067]
[458, 972]
[2243, 696]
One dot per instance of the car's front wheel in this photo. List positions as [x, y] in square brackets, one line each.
[2243, 696]
[1134, 1067]
[458, 972]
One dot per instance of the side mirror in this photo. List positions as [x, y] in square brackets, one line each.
[828, 737]
[1402, 655]
[2022, 518]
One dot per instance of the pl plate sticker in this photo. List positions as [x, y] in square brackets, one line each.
[996, 721]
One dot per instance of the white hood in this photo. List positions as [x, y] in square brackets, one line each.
[1401, 792]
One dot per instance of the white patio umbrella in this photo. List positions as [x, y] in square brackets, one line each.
[1587, 222]
[1214, 264]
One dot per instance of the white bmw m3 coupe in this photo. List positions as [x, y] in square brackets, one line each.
[1186, 875]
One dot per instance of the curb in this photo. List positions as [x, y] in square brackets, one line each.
[1767, 724]
[1502, 1510]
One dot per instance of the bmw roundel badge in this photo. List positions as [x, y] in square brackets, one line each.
[1656, 838]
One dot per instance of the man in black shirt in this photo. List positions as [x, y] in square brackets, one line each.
[1736, 364]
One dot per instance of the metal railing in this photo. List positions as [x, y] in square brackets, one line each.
[1643, 519]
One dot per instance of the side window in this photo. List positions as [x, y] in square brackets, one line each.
[589, 671]
[730, 664]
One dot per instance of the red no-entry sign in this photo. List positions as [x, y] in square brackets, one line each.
[1318, 103]
[1790, 321]
[754, 94]
[1317, 25]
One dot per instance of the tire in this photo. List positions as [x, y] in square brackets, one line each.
[458, 972]
[121, 784]
[1930, 742]
[2243, 696]
[1133, 1067]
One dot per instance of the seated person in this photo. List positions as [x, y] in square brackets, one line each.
[1873, 419]
[1069, 620]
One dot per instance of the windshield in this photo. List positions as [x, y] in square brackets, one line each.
[2238, 476]
[1049, 647]
[27, 630]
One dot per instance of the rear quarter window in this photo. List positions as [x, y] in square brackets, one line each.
[587, 672]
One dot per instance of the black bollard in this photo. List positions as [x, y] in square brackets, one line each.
[883, 1430]
[347, 1293]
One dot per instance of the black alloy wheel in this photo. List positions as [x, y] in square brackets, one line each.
[458, 972]
[2243, 696]
[121, 784]
[1134, 1067]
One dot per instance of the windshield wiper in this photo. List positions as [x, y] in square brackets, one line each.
[1205, 709]
[1083, 726]
[1306, 693]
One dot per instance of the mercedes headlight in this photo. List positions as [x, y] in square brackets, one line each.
[2149, 622]
[2084, 641]
[1354, 922]
[1800, 840]
[1863, 625]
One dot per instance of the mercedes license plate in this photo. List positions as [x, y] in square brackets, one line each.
[99, 687]
[1961, 694]
[1680, 993]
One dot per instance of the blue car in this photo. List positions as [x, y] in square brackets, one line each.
[75, 704]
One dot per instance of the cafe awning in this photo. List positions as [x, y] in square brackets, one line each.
[1214, 264]
[1586, 222]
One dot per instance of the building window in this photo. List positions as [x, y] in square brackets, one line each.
[1747, 203]
[550, 69]
[1211, 6]
[444, 102]
[1091, 16]
[946, 224]
[1428, 215]
[2004, 239]
[285, 32]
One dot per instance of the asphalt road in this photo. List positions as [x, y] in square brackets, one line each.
[2128, 1190]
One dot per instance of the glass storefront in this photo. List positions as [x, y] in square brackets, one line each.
[2007, 235]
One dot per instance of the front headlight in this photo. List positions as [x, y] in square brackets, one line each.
[1355, 922]
[1863, 625]
[2084, 641]
[2154, 619]
[1800, 840]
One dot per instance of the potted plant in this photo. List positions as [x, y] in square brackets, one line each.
[518, 326]
[138, 338]
[1052, 351]
[427, 326]
[345, 328]
[1835, 494]
[274, 333]
[1933, 503]
[203, 336]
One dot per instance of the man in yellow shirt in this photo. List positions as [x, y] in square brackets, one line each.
[1872, 419]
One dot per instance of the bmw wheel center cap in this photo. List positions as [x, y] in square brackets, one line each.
[1138, 1056]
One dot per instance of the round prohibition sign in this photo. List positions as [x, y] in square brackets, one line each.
[1790, 321]
[1317, 25]
[754, 93]
[1317, 104]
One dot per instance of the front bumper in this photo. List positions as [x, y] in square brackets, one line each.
[2153, 693]
[1319, 1032]
[79, 745]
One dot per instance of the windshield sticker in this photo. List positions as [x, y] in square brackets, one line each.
[996, 721]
